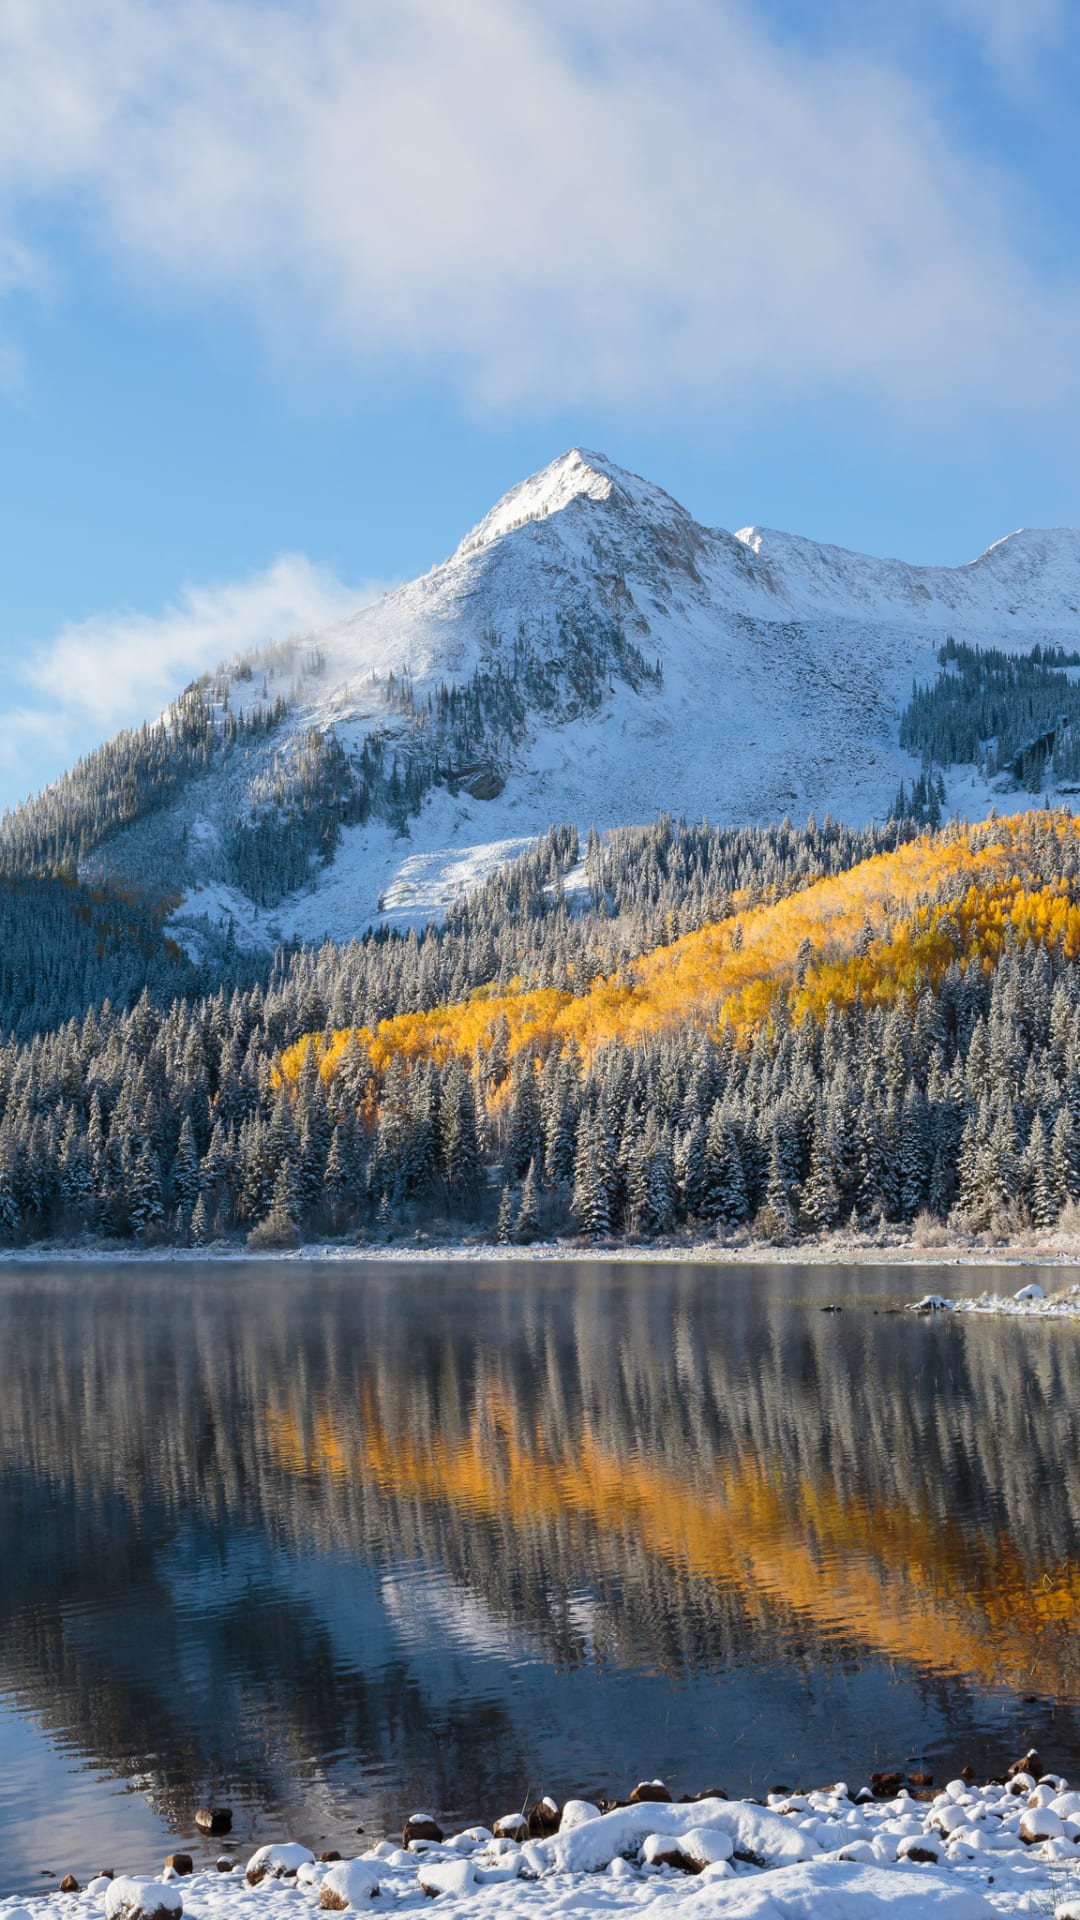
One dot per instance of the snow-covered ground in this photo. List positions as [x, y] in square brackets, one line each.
[785, 668]
[891, 1248]
[969, 1853]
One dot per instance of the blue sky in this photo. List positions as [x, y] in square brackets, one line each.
[290, 293]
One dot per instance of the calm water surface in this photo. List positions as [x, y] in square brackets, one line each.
[329, 1544]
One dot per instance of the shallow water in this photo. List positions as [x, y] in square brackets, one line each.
[331, 1543]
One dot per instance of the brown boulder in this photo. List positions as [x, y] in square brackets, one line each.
[886, 1786]
[662, 1850]
[649, 1790]
[180, 1862]
[69, 1884]
[674, 1857]
[420, 1826]
[544, 1819]
[332, 1854]
[224, 1864]
[214, 1819]
[511, 1826]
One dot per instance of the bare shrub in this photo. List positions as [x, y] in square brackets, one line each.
[273, 1234]
[1069, 1220]
[928, 1231]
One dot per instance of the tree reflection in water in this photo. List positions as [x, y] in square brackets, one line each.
[330, 1541]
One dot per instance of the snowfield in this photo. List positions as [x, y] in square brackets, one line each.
[785, 667]
[967, 1853]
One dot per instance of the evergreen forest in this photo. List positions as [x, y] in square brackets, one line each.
[669, 1031]
[1014, 716]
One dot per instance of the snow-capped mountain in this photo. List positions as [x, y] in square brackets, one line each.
[588, 654]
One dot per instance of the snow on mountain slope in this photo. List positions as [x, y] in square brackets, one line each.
[1030, 577]
[784, 664]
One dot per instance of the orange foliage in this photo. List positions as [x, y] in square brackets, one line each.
[878, 931]
[892, 1576]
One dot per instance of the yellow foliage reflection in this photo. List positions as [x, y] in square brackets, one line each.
[891, 1579]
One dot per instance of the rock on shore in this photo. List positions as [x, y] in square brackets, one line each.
[964, 1853]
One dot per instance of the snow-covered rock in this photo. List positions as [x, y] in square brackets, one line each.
[1040, 1823]
[756, 1834]
[277, 1862]
[447, 1876]
[511, 1826]
[576, 1812]
[706, 1846]
[131, 1899]
[894, 1862]
[919, 1847]
[348, 1883]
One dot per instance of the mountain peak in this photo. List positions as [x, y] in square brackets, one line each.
[574, 474]
[1033, 549]
[577, 474]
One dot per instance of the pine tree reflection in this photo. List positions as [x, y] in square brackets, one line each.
[254, 1523]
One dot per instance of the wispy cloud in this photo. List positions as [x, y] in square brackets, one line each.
[1008, 30]
[647, 197]
[116, 670]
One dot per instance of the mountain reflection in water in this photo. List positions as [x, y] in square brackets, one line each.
[326, 1543]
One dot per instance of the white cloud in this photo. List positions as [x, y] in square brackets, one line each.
[114, 670]
[1010, 30]
[645, 198]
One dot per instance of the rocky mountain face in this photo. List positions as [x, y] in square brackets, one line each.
[589, 654]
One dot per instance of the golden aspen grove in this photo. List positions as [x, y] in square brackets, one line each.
[678, 1030]
[825, 1051]
[886, 930]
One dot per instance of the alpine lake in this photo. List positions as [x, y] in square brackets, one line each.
[330, 1541]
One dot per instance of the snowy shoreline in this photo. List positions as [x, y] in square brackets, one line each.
[961, 1853]
[832, 1251]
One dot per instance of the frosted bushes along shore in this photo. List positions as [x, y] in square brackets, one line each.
[965, 1853]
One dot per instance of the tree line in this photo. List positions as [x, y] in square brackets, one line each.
[173, 1119]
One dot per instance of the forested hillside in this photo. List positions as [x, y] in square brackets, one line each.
[770, 1029]
[66, 947]
[1014, 716]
